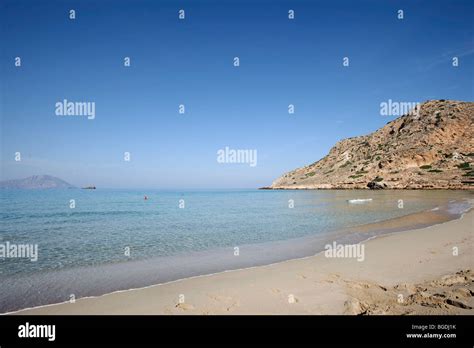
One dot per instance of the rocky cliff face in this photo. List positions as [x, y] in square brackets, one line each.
[433, 149]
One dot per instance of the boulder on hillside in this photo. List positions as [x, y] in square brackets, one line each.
[375, 186]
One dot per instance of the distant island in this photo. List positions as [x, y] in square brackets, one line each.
[432, 149]
[36, 182]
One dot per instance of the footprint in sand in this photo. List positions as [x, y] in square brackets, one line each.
[333, 278]
[232, 307]
[362, 285]
[184, 306]
[357, 285]
[230, 302]
[292, 299]
[220, 298]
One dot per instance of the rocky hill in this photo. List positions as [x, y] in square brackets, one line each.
[431, 149]
[35, 182]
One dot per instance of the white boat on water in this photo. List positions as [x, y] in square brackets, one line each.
[359, 200]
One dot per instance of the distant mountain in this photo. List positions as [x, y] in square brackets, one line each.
[432, 149]
[35, 182]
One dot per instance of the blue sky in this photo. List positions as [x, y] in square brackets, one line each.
[190, 62]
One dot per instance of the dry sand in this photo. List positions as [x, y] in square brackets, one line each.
[412, 272]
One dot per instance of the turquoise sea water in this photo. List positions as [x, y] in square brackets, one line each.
[82, 251]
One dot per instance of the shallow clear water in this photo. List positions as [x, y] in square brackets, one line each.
[82, 250]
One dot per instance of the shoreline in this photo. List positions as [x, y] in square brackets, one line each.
[152, 272]
[94, 303]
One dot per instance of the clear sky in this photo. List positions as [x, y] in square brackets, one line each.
[190, 62]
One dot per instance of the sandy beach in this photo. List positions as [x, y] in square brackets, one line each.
[422, 271]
